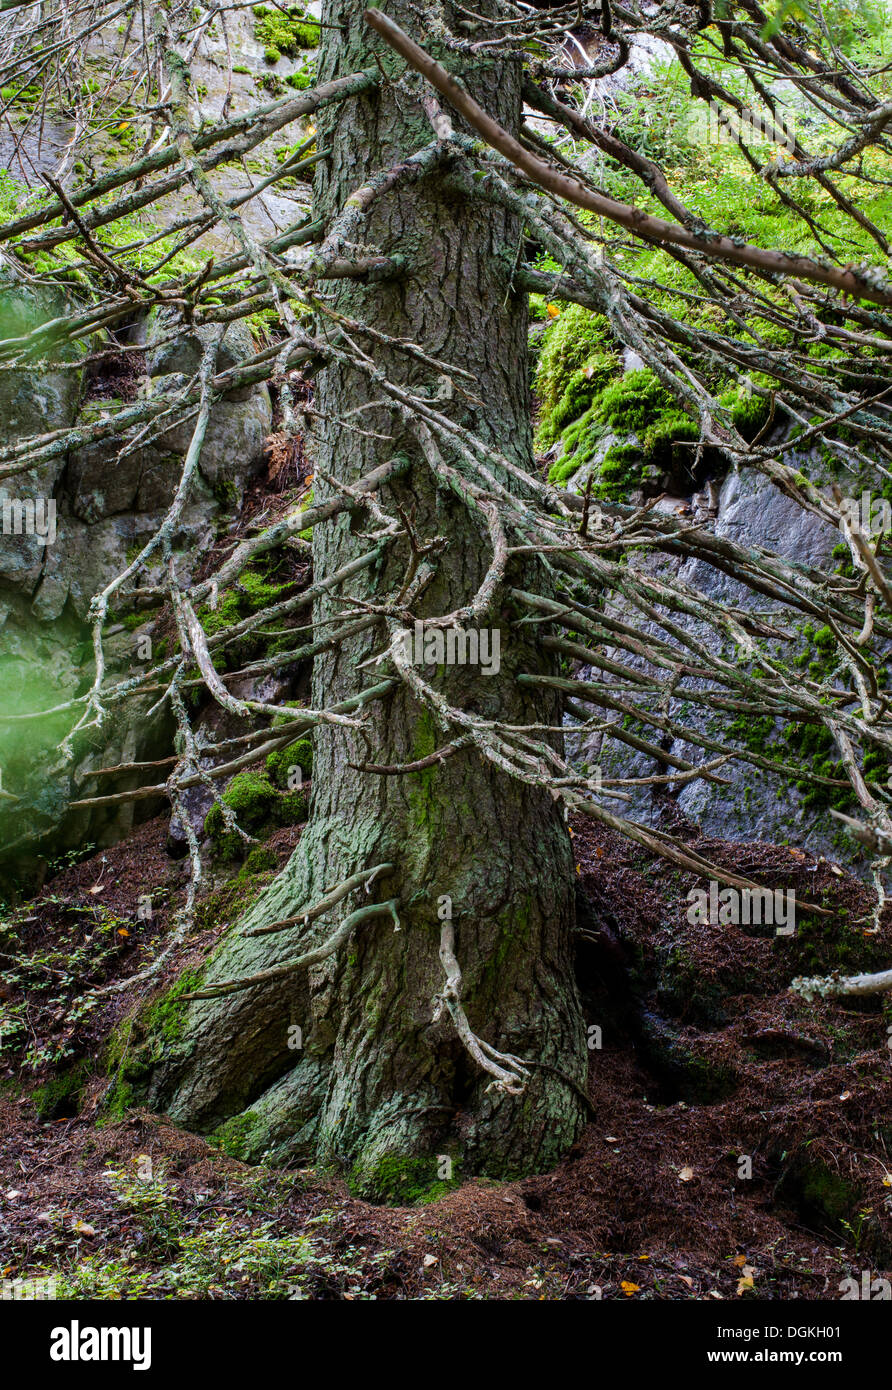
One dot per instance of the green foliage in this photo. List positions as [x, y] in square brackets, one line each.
[145, 1194]
[51, 983]
[222, 1259]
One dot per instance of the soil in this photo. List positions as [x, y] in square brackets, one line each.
[706, 1060]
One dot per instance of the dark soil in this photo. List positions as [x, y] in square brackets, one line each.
[740, 1137]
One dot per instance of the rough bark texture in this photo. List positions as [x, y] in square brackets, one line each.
[378, 1086]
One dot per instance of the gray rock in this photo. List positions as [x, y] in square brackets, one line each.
[756, 805]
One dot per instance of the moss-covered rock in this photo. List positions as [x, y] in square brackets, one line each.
[280, 765]
[259, 807]
[284, 31]
[253, 799]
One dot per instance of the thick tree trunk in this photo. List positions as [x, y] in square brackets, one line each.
[378, 1085]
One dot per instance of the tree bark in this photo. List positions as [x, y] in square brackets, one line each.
[379, 1087]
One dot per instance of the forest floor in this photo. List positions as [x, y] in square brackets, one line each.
[739, 1146]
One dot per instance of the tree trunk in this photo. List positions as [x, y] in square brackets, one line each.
[379, 1086]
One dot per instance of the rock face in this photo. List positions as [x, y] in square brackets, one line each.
[106, 500]
[66, 530]
[755, 806]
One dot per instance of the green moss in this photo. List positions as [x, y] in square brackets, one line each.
[293, 808]
[286, 33]
[636, 403]
[570, 340]
[581, 389]
[827, 1192]
[302, 80]
[299, 754]
[250, 796]
[748, 412]
[165, 1018]
[61, 1093]
[149, 1035]
[259, 806]
[259, 861]
[238, 1136]
[252, 593]
[395, 1180]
